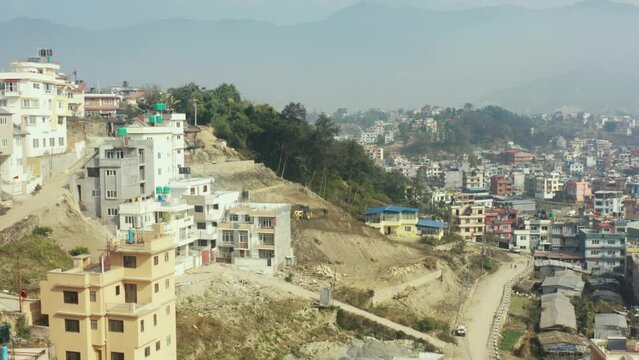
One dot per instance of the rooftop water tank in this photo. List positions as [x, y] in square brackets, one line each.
[122, 131]
[160, 106]
[158, 189]
[158, 118]
[152, 119]
[167, 190]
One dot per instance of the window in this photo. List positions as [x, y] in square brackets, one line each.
[128, 219]
[117, 290]
[157, 346]
[168, 310]
[166, 256]
[141, 325]
[595, 242]
[117, 356]
[199, 209]
[159, 155]
[95, 192]
[60, 141]
[407, 228]
[112, 211]
[3, 120]
[36, 143]
[201, 225]
[130, 262]
[156, 260]
[192, 191]
[156, 287]
[70, 297]
[247, 218]
[266, 222]
[72, 355]
[110, 173]
[4, 142]
[94, 324]
[611, 242]
[155, 319]
[227, 236]
[52, 142]
[111, 194]
[167, 283]
[234, 217]
[147, 351]
[216, 206]
[168, 340]
[243, 236]
[72, 325]
[159, 171]
[116, 326]
[205, 188]
[92, 296]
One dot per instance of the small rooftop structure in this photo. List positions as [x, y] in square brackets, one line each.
[557, 313]
[610, 325]
[390, 209]
[433, 224]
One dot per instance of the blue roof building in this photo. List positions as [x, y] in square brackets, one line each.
[393, 220]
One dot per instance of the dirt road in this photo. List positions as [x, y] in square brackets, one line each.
[480, 309]
[24, 206]
[197, 282]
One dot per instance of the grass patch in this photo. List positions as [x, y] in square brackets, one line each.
[38, 254]
[356, 297]
[479, 262]
[509, 339]
[518, 305]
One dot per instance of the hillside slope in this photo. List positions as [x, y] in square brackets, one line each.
[357, 251]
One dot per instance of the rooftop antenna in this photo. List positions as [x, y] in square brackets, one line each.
[75, 76]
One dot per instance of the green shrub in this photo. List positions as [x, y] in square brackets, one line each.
[428, 324]
[79, 250]
[42, 231]
[22, 330]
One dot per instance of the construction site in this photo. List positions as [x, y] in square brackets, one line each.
[393, 298]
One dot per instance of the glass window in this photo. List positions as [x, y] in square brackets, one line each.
[70, 297]
[147, 351]
[72, 355]
[141, 325]
[157, 346]
[72, 325]
[156, 260]
[92, 296]
[116, 325]
[156, 287]
[130, 262]
[117, 356]
[94, 324]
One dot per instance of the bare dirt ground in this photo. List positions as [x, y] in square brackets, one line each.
[211, 282]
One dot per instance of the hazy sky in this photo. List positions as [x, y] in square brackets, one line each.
[116, 13]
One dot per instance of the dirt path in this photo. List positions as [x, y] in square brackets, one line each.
[479, 311]
[24, 206]
[387, 293]
[196, 283]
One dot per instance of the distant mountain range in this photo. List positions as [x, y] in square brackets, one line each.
[583, 56]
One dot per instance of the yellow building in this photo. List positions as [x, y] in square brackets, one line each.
[470, 220]
[393, 220]
[122, 308]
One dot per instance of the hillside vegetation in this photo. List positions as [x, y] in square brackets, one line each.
[294, 149]
[37, 254]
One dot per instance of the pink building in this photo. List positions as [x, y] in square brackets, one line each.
[581, 190]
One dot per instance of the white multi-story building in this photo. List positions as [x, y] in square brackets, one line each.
[536, 234]
[609, 203]
[37, 100]
[167, 134]
[209, 206]
[256, 236]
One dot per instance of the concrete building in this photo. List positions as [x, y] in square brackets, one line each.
[610, 325]
[603, 252]
[536, 234]
[470, 220]
[209, 207]
[166, 131]
[499, 225]
[376, 153]
[172, 216]
[565, 282]
[564, 237]
[547, 186]
[120, 308]
[580, 189]
[102, 104]
[608, 204]
[431, 228]
[519, 182]
[121, 170]
[256, 236]
[474, 179]
[393, 220]
[37, 100]
[516, 157]
[500, 185]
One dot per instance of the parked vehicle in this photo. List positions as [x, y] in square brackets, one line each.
[460, 330]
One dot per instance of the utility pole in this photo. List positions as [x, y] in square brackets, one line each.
[195, 108]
